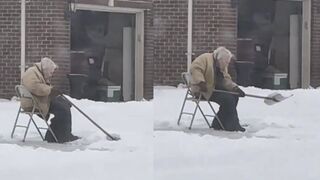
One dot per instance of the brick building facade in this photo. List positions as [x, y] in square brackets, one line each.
[48, 34]
[214, 24]
[9, 47]
[315, 43]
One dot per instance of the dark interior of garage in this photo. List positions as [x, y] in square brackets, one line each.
[97, 52]
[264, 48]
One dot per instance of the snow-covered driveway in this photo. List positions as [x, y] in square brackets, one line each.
[282, 141]
[92, 157]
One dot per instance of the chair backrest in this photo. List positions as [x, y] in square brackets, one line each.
[186, 78]
[22, 92]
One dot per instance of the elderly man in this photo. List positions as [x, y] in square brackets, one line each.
[37, 80]
[209, 71]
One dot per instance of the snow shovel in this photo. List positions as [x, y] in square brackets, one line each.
[269, 100]
[110, 137]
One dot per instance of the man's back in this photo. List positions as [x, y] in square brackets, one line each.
[35, 83]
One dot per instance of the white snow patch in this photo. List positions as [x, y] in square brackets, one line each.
[91, 157]
[281, 142]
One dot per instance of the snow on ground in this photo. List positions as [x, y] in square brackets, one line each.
[282, 141]
[92, 157]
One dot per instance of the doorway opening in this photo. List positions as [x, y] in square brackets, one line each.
[103, 55]
[270, 43]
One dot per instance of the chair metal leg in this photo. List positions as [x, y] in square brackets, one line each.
[216, 115]
[27, 128]
[15, 123]
[51, 131]
[34, 123]
[195, 111]
[193, 116]
[205, 118]
[184, 103]
[49, 128]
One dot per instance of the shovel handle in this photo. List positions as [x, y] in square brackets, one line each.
[91, 120]
[249, 95]
[228, 92]
[262, 97]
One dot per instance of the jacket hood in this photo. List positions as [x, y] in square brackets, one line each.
[47, 67]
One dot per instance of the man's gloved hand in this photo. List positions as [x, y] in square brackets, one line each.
[203, 87]
[239, 91]
[55, 92]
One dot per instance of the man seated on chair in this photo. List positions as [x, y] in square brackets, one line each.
[209, 71]
[37, 81]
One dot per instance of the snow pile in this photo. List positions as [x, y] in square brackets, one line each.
[92, 157]
[282, 141]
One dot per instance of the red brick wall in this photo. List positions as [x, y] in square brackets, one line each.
[170, 43]
[9, 47]
[315, 44]
[148, 55]
[214, 24]
[48, 34]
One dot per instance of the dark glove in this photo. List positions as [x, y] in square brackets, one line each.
[54, 92]
[203, 87]
[239, 91]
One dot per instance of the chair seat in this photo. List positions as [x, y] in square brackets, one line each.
[30, 113]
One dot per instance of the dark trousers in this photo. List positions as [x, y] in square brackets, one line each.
[61, 123]
[227, 111]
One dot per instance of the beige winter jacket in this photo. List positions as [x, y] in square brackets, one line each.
[202, 70]
[33, 80]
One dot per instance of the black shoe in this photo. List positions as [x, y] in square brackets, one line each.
[241, 129]
[72, 138]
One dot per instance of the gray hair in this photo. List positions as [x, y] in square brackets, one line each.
[47, 64]
[223, 57]
[222, 53]
[48, 67]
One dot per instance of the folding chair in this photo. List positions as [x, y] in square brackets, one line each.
[192, 98]
[22, 92]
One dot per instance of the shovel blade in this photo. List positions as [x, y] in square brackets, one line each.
[275, 98]
[115, 137]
